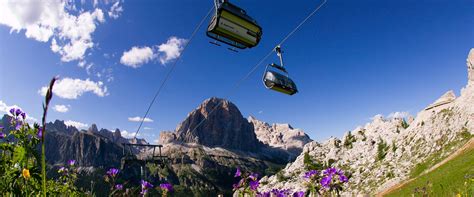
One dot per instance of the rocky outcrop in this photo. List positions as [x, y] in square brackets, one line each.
[223, 126]
[384, 152]
[280, 136]
[87, 149]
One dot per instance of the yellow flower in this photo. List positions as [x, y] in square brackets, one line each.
[458, 195]
[25, 173]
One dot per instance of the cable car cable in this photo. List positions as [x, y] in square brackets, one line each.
[263, 59]
[172, 68]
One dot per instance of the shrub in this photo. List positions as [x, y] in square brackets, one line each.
[382, 149]
[348, 140]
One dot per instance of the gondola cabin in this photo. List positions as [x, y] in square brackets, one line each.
[279, 82]
[232, 25]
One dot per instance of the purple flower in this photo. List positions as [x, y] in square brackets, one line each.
[281, 193]
[23, 115]
[1, 127]
[253, 176]
[18, 125]
[298, 194]
[166, 186]
[2, 135]
[237, 173]
[343, 178]
[112, 172]
[310, 174]
[119, 187]
[12, 111]
[330, 171]
[264, 194]
[326, 181]
[40, 132]
[71, 162]
[146, 184]
[254, 185]
[18, 112]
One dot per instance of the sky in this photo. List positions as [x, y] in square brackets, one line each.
[351, 61]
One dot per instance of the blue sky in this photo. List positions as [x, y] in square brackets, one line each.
[351, 61]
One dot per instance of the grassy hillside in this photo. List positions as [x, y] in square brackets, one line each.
[453, 177]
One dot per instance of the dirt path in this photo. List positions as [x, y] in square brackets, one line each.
[466, 147]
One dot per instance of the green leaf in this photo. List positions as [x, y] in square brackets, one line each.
[19, 154]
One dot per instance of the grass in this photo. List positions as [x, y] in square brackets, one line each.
[438, 156]
[447, 180]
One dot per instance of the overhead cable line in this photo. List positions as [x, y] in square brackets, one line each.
[196, 29]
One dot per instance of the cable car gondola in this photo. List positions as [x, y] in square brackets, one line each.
[232, 25]
[277, 81]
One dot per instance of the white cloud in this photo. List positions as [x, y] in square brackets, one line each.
[4, 109]
[137, 56]
[127, 134]
[147, 128]
[171, 49]
[139, 119]
[166, 52]
[61, 108]
[44, 20]
[78, 125]
[115, 10]
[398, 115]
[69, 88]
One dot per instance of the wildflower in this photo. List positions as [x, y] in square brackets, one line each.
[18, 125]
[25, 173]
[2, 135]
[71, 162]
[281, 193]
[310, 174]
[145, 186]
[119, 187]
[326, 181]
[40, 133]
[166, 186]
[254, 185]
[1, 127]
[343, 178]
[298, 194]
[237, 173]
[18, 112]
[253, 176]
[23, 115]
[12, 111]
[238, 185]
[112, 172]
[264, 194]
[330, 171]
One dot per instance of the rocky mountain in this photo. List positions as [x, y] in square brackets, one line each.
[215, 139]
[280, 136]
[224, 127]
[389, 150]
[92, 147]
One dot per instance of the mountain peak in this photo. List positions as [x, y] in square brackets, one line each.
[225, 127]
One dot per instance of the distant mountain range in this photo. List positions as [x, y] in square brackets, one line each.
[200, 157]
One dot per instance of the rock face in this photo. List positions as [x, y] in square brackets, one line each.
[225, 127]
[205, 157]
[384, 152]
[470, 67]
[281, 136]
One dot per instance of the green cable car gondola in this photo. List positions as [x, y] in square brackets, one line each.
[232, 25]
[276, 81]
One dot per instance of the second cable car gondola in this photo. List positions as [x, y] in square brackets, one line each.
[277, 81]
[232, 25]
